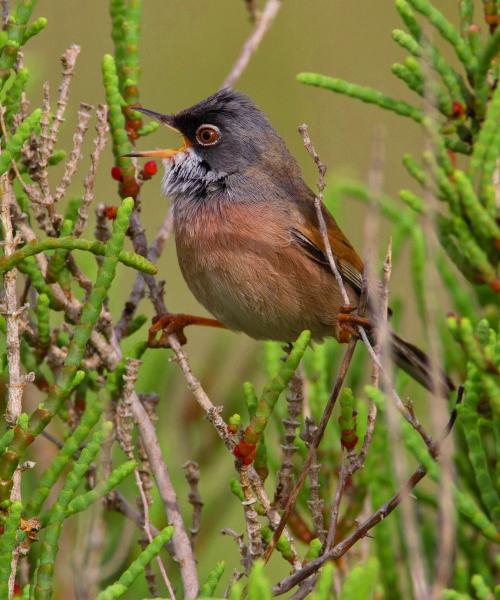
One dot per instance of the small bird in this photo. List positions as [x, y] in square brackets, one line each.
[247, 234]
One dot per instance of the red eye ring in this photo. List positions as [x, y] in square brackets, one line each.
[208, 135]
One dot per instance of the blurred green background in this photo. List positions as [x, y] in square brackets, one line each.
[187, 49]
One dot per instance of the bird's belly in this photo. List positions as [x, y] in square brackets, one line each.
[263, 289]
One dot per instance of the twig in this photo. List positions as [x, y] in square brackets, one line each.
[342, 547]
[130, 378]
[318, 204]
[335, 508]
[192, 472]
[262, 25]
[17, 381]
[68, 61]
[181, 543]
[361, 531]
[251, 517]
[315, 503]
[102, 129]
[312, 449]
[294, 399]
[72, 163]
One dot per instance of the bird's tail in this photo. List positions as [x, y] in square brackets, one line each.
[416, 363]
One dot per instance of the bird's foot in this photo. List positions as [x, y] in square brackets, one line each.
[348, 323]
[173, 324]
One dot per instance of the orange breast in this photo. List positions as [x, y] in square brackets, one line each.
[239, 261]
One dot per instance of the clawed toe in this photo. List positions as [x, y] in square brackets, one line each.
[167, 325]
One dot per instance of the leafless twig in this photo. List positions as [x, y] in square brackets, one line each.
[68, 61]
[192, 472]
[262, 25]
[72, 163]
[102, 129]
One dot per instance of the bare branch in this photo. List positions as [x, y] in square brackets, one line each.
[262, 25]
[102, 129]
[192, 472]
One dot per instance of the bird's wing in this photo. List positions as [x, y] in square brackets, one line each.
[307, 235]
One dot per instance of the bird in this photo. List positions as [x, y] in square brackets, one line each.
[247, 235]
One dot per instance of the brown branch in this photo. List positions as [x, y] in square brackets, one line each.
[192, 473]
[294, 399]
[342, 547]
[262, 25]
[68, 61]
[183, 551]
[312, 449]
[253, 526]
[16, 381]
[130, 378]
[102, 129]
[71, 165]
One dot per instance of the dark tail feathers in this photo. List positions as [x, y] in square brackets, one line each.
[416, 363]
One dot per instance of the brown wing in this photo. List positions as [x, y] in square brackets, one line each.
[308, 236]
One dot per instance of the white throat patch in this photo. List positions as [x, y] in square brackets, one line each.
[188, 177]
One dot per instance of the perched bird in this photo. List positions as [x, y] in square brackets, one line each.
[247, 234]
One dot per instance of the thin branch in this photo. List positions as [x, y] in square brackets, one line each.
[262, 25]
[72, 163]
[183, 551]
[318, 204]
[130, 378]
[68, 61]
[312, 449]
[192, 473]
[361, 531]
[102, 129]
[253, 526]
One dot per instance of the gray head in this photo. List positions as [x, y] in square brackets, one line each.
[224, 136]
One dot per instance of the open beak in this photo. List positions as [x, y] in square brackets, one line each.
[167, 120]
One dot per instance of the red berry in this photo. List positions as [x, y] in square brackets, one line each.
[111, 212]
[457, 109]
[151, 167]
[116, 173]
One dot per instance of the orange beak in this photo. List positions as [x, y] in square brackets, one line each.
[167, 120]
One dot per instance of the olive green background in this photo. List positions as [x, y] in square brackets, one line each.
[187, 49]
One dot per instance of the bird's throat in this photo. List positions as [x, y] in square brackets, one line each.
[190, 178]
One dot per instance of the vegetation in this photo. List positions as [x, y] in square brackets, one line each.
[370, 498]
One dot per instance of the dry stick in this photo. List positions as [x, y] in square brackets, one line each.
[130, 378]
[294, 399]
[361, 531]
[342, 547]
[68, 61]
[312, 449]
[192, 472]
[17, 380]
[181, 542]
[102, 129]
[318, 204]
[262, 25]
[81, 129]
[251, 517]
[42, 175]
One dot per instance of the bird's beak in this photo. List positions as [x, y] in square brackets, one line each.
[167, 120]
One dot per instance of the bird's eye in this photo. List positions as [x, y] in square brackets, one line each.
[208, 135]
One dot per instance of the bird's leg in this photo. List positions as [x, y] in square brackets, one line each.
[348, 322]
[169, 324]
